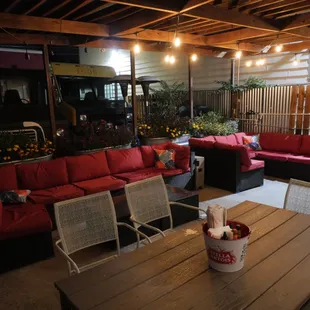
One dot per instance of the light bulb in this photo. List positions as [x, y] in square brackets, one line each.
[172, 59]
[137, 48]
[279, 48]
[194, 57]
[177, 42]
[238, 54]
[262, 62]
[248, 63]
[167, 58]
[295, 62]
[258, 62]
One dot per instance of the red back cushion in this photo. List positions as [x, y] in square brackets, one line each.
[305, 145]
[148, 156]
[125, 160]
[206, 142]
[42, 175]
[87, 167]
[231, 139]
[280, 142]
[8, 179]
[182, 155]
[1, 210]
[239, 136]
[242, 149]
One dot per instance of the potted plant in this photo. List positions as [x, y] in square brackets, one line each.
[18, 147]
[95, 136]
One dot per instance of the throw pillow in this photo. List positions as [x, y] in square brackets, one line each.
[15, 196]
[252, 142]
[164, 159]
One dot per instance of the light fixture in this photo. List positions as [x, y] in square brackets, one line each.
[296, 61]
[85, 50]
[279, 48]
[177, 42]
[248, 63]
[260, 62]
[194, 57]
[172, 60]
[137, 48]
[102, 50]
[167, 58]
[238, 54]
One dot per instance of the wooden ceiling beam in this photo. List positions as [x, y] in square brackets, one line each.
[84, 3]
[295, 11]
[299, 22]
[193, 4]
[235, 35]
[257, 5]
[140, 19]
[109, 15]
[33, 39]
[276, 6]
[99, 8]
[232, 17]
[298, 47]
[15, 21]
[34, 7]
[55, 8]
[249, 47]
[11, 6]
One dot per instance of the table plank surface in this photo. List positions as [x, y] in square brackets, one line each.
[173, 273]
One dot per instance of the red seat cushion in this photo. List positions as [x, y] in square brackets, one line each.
[148, 156]
[252, 154]
[280, 142]
[125, 160]
[299, 159]
[42, 175]
[272, 155]
[182, 155]
[56, 194]
[242, 149]
[24, 219]
[305, 145]
[87, 167]
[255, 164]
[201, 142]
[8, 178]
[169, 172]
[239, 137]
[231, 139]
[140, 174]
[107, 183]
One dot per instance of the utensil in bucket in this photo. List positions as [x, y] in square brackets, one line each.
[227, 255]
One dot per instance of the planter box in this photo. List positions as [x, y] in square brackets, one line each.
[181, 140]
[30, 160]
[153, 141]
[83, 152]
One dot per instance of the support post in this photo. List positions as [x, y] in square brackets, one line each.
[190, 87]
[233, 96]
[133, 91]
[49, 93]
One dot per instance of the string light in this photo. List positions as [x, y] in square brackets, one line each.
[248, 63]
[260, 62]
[194, 57]
[170, 59]
[279, 48]
[238, 54]
[177, 42]
[137, 48]
[296, 61]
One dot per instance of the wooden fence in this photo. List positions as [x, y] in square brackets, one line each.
[283, 109]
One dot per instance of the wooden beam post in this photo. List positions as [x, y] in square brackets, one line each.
[133, 91]
[190, 87]
[49, 93]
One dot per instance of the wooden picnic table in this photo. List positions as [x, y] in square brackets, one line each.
[173, 273]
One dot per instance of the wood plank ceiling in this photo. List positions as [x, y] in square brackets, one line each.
[209, 26]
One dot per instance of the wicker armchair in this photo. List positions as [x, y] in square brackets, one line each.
[298, 196]
[84, 222]
[148, 201]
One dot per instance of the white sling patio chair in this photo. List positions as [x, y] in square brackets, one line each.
[148, 201]
[297, 196]
[84, 222]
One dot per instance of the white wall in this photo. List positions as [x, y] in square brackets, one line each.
[205, 71]
[278, 70]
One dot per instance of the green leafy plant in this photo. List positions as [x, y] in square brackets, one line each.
[212, 124]
[251, 83]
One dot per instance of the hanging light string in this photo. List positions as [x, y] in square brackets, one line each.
[176, 40]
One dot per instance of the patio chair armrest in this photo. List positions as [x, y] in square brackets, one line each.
[148, 226]
[66, 256]
[187, 206]
[135, 230]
